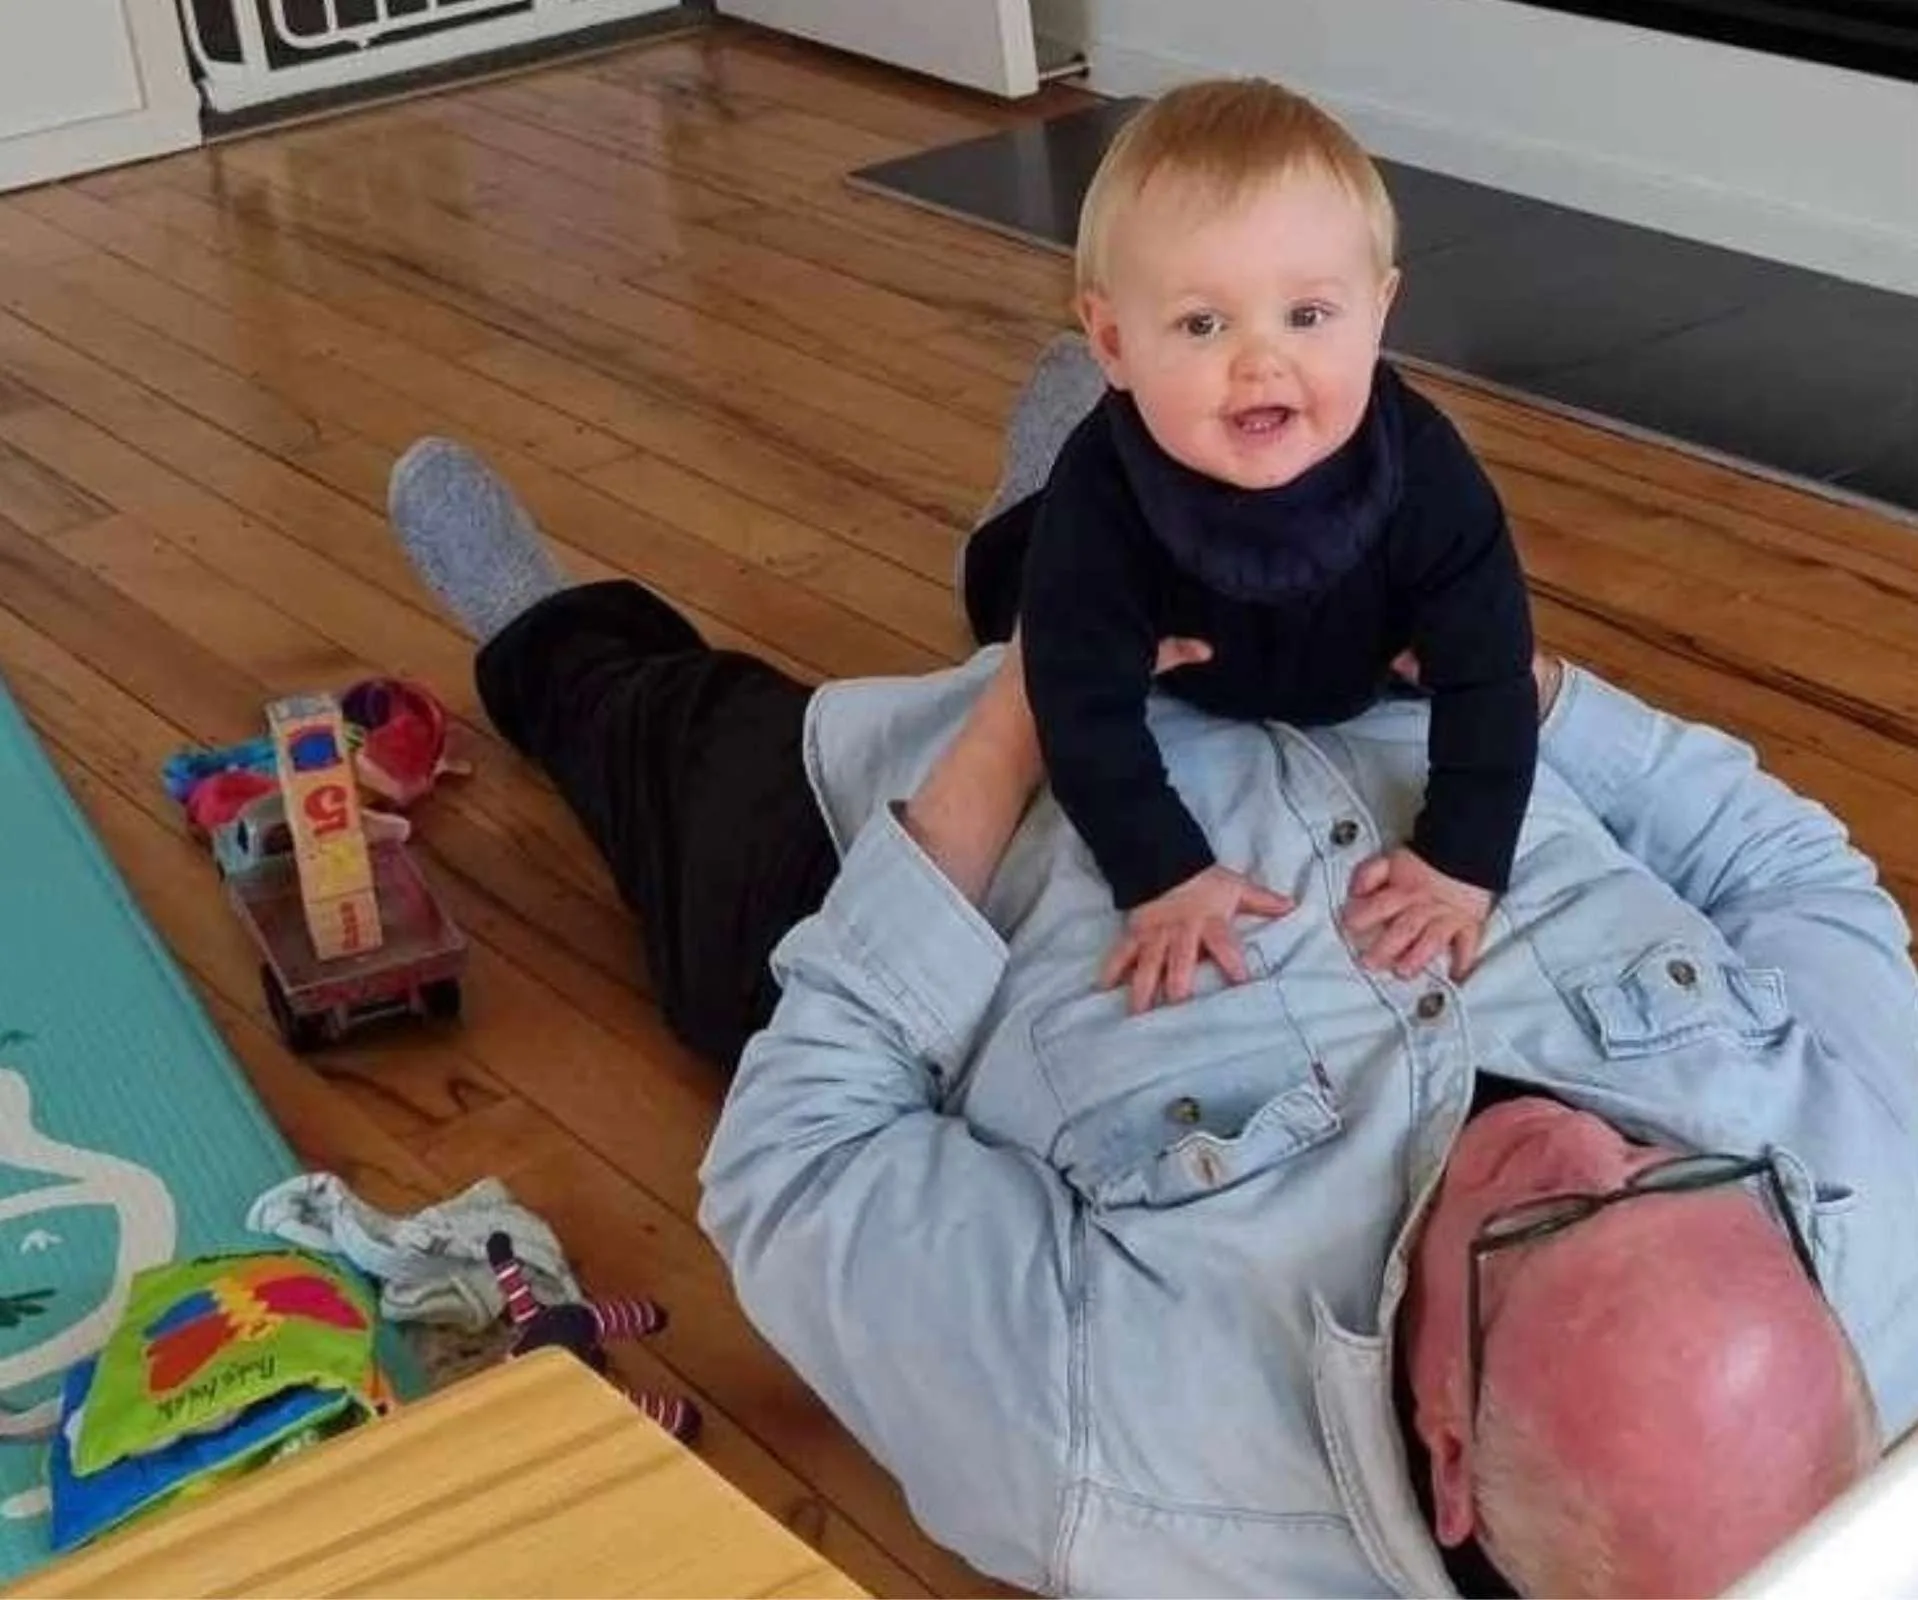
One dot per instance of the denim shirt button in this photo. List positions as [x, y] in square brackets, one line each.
[1344, 832]
[1682, 973]
[1184, 1110]
[1431, 1005]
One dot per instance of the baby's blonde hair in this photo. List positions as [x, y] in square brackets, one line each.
[1225, 136]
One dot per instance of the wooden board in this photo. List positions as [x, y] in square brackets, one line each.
[535, 1477]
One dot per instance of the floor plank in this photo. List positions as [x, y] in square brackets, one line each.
[640, 285]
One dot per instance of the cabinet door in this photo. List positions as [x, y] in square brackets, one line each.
[88, 83]
[985, 44]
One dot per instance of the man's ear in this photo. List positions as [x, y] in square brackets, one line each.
[1102, 335]
[1452, 1508]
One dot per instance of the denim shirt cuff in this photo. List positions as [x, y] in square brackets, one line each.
[930, 952]
[1597, 737]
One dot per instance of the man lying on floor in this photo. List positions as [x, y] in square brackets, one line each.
[1591, 1274]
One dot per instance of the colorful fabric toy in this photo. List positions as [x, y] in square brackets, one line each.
[583, 1328]
[185, 770]
[85, 1507]
[203, 1340]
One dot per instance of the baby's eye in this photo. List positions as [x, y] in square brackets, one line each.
[1309, 316]
[1200, 324]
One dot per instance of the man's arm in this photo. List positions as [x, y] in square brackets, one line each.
[919, 1280]
[1775, 872]
[971, 802]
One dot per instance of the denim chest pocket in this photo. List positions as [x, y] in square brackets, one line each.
[1184, 1100]
[1675, 995]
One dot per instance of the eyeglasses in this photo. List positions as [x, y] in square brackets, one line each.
[1532, 1220]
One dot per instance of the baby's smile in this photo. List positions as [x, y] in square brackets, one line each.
[1260, 423]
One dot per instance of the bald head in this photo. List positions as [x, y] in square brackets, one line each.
[1667, 1400]
[1666, 1396]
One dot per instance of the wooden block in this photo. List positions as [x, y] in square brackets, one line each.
[323, 811]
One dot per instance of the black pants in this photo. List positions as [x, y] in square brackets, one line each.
[993, 577]
[683, 763]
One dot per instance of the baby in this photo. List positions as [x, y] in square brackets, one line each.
[1257, 478]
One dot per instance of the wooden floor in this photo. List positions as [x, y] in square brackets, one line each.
[640, 285]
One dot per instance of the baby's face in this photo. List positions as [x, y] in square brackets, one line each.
[1247, 337]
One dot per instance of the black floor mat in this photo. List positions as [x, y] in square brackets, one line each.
[1794, 372]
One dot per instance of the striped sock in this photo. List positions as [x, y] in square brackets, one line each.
[521, 1307]
[627, 1319]
[673, 1412]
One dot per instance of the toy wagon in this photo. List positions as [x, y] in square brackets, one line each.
[347, 928]
[414, 970]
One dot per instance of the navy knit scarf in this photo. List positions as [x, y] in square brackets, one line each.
[1262, 545]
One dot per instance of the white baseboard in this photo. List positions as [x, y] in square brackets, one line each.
[87, 146]
[1809, 118]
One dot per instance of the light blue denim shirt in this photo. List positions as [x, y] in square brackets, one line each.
[1113, 1296]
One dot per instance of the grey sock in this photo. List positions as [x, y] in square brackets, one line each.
[468, 537]
[1066, 383]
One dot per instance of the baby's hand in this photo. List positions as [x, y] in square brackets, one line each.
[1164, 938]
[1404, 912]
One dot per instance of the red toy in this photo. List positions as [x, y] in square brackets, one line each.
[401, 728]
[584, 1328]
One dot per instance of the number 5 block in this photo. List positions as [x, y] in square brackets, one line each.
[323, 814]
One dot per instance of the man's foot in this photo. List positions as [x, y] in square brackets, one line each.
[1065, 385]
[468, 537]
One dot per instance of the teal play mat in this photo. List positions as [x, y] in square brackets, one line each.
[128, 1135]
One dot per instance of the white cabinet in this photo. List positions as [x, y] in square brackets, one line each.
[88, 83]
[985, 44]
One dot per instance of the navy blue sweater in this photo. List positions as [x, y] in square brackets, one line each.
[1306, 593]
